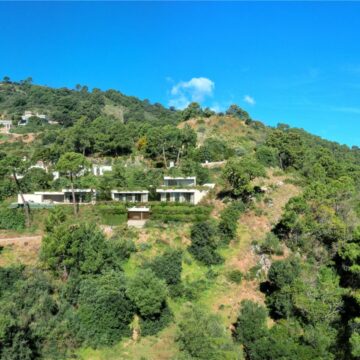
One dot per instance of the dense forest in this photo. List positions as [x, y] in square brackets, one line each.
[266, 267]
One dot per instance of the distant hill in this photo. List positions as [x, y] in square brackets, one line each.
[68, 105]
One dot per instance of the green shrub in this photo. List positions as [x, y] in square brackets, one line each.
[229, 220]
[168, 266]
[177, 212]
[112, 215]
[268, 156]
[105, 311]
[271, 245]
[235, 276]
[253, 272]
[251, 323]
[203, 245]
[152, 325]
[12, 219]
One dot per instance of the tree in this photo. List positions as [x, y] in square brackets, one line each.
[27, 314]
[6, 80]
[104, 310]
[78, 248]
[236, 111]
[240, 172]
[14, 166]
[147, 292]
[36, 179]
[168, 266]
[203, 336]
[192, 111]
[251, 323]
[203, 244]
[73, 165]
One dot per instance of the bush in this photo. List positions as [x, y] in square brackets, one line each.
[148, 293]
[251, 323]
[12, 219]
[203, 245]
[112, 215]
[203, 336]
[105, 311]
[235, 276]
[153, 324]
[168, 266]
[229, 221]
[271, 245]
[267, 156]
[177, 212]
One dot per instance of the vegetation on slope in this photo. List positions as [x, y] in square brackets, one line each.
[266, 268]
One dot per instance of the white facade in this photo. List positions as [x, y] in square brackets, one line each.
[43, 197]
[191, 196]
[27, 115]
[130, 196]
[7, 124]
[99, 170]
[179, 181]
[82, 196]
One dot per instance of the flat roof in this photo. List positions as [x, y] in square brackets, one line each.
[179, 178]
[129, 191]
[77, 190]
[138, 209]
[176, 190]
[48, 193]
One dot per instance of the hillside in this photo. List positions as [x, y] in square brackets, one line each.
[265, 265]
[67, 105]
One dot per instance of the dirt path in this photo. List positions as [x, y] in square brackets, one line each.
[22, 240]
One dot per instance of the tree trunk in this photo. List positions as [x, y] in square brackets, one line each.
[179, 155]
[164, 156]
[73, 194]
[25, 203]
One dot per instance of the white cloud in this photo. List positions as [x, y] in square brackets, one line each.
[249, 100]
[196, 89]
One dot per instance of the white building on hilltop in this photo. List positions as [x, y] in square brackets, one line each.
[6, 124]
[27, 115]
[183, 190]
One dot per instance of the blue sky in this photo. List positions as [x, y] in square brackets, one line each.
[297, 63]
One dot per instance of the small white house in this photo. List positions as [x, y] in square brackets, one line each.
[99, 170]
[191, 196]
[27, 115]
[131, 196]
[6, 124]
[179, 181]
[82, 196]
[43, 197]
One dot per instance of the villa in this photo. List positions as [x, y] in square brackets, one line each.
[132, 196]
[182, 190]
[82, 196]
[27, 115]
[179, 181]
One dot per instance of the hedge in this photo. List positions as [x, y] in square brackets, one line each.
[112, 215]
[180, 212]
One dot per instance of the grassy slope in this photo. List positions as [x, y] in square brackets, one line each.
[235, 132]
[219, 295]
